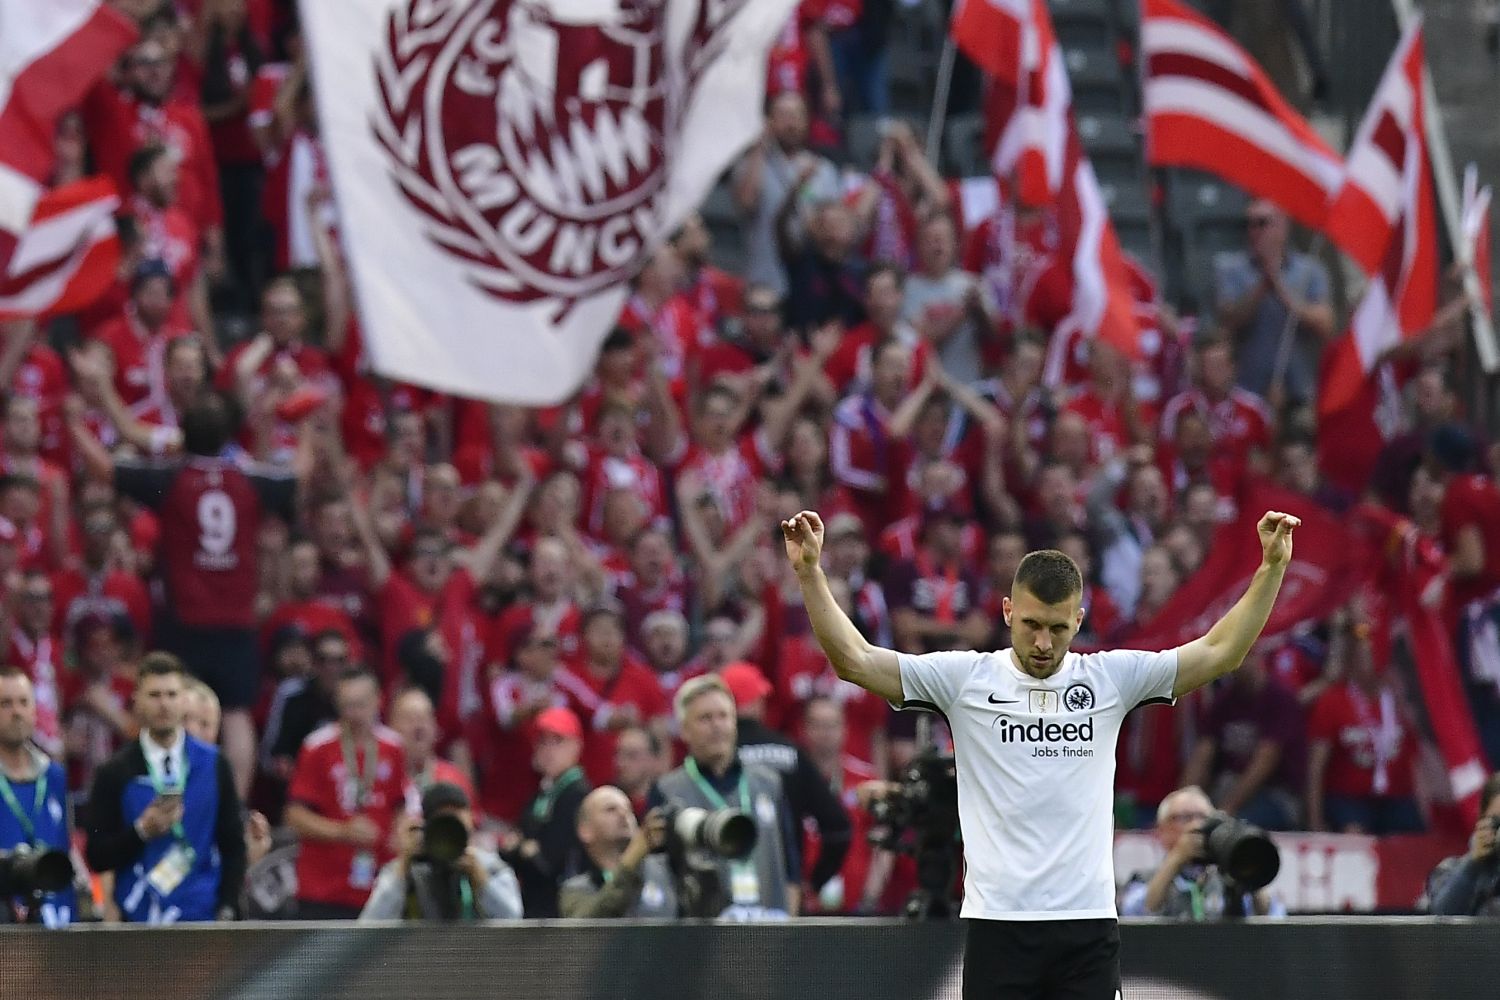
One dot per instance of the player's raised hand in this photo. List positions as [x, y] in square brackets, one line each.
[1275, 530]
[803, 532]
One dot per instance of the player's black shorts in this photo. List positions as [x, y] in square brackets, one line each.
[1042, 960]
[226, 659]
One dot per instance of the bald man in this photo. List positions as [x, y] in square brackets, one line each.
[624, 877]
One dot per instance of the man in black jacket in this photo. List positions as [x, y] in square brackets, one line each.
[546, 850]
[808, 795]
[164, 814]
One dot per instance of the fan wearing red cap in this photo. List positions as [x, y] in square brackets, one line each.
[548, 836]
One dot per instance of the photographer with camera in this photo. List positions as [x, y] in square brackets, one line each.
[438, 874]
[1469, 885]
[725, 866]
[626, 877]
[1189, 884]
[35, 871]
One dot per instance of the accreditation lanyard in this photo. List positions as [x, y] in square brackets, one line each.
[712, 793]
[178, 787]
[9, 795]
[541, 809]
[360, 771]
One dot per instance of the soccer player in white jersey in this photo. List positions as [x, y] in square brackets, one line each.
[1034, 731]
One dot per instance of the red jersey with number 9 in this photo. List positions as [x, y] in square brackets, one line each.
[210, 512]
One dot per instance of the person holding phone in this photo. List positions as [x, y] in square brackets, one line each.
[164, 815]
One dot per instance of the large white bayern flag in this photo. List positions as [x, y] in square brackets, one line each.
[502, 167]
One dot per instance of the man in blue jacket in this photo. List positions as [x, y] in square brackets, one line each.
[33, 800]
[164, 815]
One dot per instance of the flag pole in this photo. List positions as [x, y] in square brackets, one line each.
[1447, 191]
[935, 121]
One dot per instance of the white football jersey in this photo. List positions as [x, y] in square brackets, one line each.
[1036, 772]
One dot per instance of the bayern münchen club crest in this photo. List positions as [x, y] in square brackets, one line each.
[533, 135]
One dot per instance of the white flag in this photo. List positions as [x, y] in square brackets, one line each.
[502, 167]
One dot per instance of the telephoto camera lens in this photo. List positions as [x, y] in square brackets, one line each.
[445, 839]
[1244, 853]
[728, 833]
[24, 871]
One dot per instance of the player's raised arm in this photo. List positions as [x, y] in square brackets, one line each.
[1224, 647]
[854, 659]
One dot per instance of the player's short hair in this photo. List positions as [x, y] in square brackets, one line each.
[160, 664]
[1050, 576]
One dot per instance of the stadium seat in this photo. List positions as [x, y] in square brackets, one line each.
[1112, 168]
[1098, 82]
[1082, 22]
[1127, 17]
[1107, 134]
[1126, 202]
[1195, 198]
[1135, 239]
[963, 146]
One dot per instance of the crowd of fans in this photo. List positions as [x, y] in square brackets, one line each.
[520, 593]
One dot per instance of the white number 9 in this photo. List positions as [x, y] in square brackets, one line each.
[216, 522]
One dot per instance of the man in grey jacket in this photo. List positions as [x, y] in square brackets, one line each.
[1468, 885]
[478, 886]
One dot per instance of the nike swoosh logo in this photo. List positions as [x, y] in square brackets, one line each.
[1004, 701]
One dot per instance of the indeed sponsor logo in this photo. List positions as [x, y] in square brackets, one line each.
[1046, 732]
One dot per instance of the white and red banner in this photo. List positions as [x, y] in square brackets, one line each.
[502, 167]
[1209, 106]
[1475, 222]
[51, 52]
[69, 255]
[1036, 153]
[1385, 218]
[1325, 563]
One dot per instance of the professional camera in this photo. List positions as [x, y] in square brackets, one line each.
[1243, 853]
[728, 833]
[920, 818]
[444, 839]
[25, 872]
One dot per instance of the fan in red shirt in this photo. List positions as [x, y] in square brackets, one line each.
[862, 886]
[121, 121]
[1107, 407]
[211, 513]
[654, 582]
[612, 690]
[97, 585]
[664, 644]
[1361, 749]
[659, 310]
[37, 650]
[39, 375]
[436, 591]
[347, 789]
[1239, 420]
[305, 607]
[21, 438]
[96, 693]
[861, 446]
[934, 597]
[1470, 521]
[1010, 250]
[616, 462]
[534, 683]
[728, 469]
[851, 366]
[804, 674]
[169, 234]
[549, 606]
[716, 294]
[414, 720]
[1189, 458]
[137, 338]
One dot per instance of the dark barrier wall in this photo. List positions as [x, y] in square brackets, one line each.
[1356, 959]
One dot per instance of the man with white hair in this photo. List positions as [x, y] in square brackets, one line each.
[767, 884]
[1187, 886]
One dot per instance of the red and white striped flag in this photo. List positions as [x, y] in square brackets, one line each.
[1211, 107]
[52, 52]
[68, 256]
[1387, 164]
[1036, 153]
[1476, 231]
[1389, 176]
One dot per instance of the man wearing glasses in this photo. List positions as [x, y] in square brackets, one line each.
[1185, 887]
[1274, 303]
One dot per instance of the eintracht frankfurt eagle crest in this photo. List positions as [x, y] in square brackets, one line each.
[535, 134]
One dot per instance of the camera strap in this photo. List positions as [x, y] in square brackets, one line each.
[541, 808]
[8, 794]
[362, 777]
